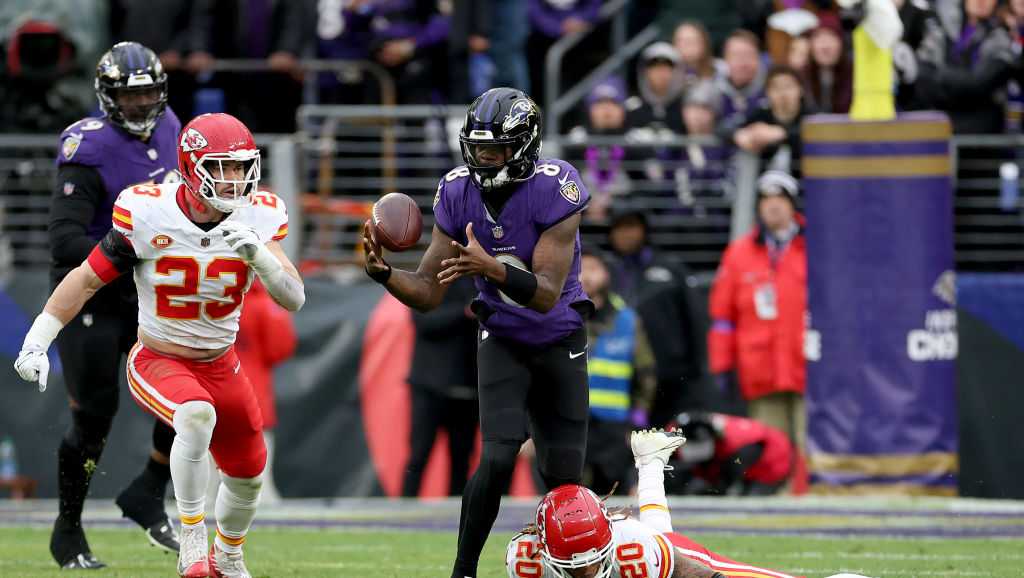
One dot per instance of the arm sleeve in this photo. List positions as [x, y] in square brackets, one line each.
[79, 193]
[721, 336]
[113, 256]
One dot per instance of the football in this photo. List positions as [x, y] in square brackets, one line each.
[397, 222]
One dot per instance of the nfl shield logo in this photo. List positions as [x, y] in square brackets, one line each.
[69, 188]
[498, 232]
[204, 242]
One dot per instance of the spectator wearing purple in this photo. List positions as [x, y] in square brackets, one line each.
[411, 41]
[344, 32]
[660, 84]
[700, 171]
[550, 20]
[773, 130]
[742, 87]
[965, 60]
[602, 167]
[829, 73]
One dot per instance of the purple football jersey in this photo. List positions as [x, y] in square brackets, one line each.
[122, 159]
[553, 194]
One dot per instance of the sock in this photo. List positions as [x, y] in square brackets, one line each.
[77, 458]
[235, 509]
[143, 499]
[650, 494]
[480, 504]
[194, 422]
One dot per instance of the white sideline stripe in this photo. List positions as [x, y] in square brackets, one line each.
[146, 403]
[149, 388]
[716, 564]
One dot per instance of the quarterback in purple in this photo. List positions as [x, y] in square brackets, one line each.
[511, 221]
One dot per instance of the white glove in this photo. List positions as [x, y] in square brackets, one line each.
[241, 238]
[32, 363]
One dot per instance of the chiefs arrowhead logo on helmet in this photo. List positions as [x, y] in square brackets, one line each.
[193, 140]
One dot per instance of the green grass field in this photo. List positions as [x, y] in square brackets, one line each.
[274, 552]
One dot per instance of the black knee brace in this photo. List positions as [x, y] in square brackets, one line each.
[88, 433]
[562, 465]
[163, 437]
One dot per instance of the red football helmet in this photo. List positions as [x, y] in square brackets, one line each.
[206, 143]
[576, 531]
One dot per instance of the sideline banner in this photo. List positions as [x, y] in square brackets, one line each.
[882, 338]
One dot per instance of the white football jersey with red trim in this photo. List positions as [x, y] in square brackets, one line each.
[190, 282]
[639, 552]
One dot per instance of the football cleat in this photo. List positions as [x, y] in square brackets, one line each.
[70, 549]
[162, 536]
[192, 560]
[649, 445]
[227, 564]
[83, 561]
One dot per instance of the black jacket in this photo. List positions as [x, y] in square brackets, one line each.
[444, 357]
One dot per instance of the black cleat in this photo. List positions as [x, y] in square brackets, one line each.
[163, 536]
[85, 561]
[70, 549]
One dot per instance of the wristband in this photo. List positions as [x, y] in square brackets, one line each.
[381, 276]
[43, 331]
[519, 285]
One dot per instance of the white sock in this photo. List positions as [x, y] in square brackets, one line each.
[193, 426]
[650, 494]
[235, 509]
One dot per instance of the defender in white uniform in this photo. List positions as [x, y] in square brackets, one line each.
[193, 249]
[575, 536]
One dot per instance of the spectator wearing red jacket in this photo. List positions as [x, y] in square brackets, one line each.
[730, 455]
[758, 303]
[266, 337]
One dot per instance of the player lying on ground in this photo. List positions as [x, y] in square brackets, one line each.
[575, 536]
[192, 247]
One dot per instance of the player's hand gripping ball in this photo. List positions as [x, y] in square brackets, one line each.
[397, 223]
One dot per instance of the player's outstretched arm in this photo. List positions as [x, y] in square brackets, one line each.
[684, 567]
[67, 300]
[421, 289]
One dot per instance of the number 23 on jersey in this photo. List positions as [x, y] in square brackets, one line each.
[169, 304]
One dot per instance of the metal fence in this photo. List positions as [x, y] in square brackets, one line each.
[343, 158]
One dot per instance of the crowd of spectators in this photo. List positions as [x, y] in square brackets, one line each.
[961, 56]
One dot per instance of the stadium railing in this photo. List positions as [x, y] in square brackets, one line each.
[343, 158]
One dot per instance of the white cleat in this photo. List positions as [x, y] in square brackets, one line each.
[192, 560]
[652, 444]
[227, 564]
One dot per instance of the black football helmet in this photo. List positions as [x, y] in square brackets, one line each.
[501, 117]
[129, 67]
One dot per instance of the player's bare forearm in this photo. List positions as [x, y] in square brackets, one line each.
[687, 568]
[421, 289]
[552, 258]
[73, 292]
